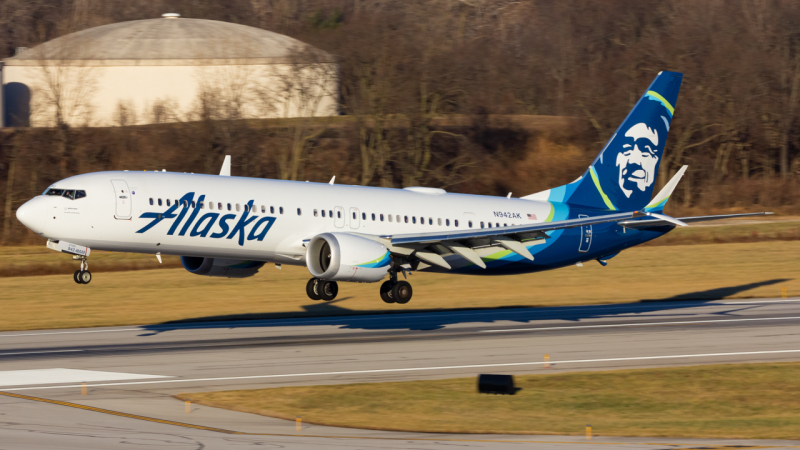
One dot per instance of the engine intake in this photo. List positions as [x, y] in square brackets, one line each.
[347, 257]
[215, 267]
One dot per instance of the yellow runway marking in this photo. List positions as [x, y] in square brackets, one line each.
[240, 433]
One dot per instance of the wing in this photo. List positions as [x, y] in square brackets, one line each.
[655, 221]
[430, 246]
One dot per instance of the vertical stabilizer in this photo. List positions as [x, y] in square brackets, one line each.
[623, 175]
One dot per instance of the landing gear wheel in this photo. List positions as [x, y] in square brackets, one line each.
[401, 292]
[386, 292]
[85, 277]
[328, 290]
[75, 277]
[312, 289]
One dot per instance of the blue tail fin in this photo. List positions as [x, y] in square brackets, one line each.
[623, 176]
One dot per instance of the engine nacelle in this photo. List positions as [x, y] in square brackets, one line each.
[215, 267]
[346, 257]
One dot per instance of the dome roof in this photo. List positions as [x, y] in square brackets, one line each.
[167, 41]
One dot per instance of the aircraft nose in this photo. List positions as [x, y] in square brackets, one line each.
[31, 214]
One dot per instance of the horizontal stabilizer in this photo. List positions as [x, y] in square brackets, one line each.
[654, 221]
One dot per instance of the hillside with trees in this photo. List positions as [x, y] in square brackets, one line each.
[477, 96]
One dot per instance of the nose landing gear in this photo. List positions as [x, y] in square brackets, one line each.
[82, 276]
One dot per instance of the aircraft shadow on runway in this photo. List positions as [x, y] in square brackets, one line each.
[332, 314]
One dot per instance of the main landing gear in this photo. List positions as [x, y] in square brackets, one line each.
[393, 291]
[82, 276]
[322, 290]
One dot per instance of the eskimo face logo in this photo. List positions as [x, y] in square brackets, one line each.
[638, 159]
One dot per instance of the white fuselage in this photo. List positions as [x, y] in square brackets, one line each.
[110, 219]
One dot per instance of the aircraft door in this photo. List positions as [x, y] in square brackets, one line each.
[338, 219]
[586, 236]
[355, 220]
[122, 196]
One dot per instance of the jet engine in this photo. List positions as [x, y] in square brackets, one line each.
[347, 257]
[215, 267]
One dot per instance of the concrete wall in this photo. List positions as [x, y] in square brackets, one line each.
[105, 95]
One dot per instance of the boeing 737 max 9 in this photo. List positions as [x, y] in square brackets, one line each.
[231, 226]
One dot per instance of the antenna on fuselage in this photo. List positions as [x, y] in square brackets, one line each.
[226, 167]
[332, 180]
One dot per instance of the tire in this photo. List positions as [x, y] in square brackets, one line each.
[75, 277]
[386, 292]
[402, 292]
[312, 289]
[85, 277]
[328, 290]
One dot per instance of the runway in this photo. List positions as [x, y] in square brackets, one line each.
[135, 370]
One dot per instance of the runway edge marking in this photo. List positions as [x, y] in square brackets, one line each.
[240, 433]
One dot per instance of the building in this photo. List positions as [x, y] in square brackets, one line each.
[166, 70]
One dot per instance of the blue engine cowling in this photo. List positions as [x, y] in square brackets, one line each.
[216, 267]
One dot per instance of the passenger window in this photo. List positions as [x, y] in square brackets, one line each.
[406, 217]
[363, 216]
[413, 219]
[439, 221]
[280, 209]
[202, 205]
[168, 202]
[447, 222]
[469, 223]
[481, 224]
[381, 217]
[505, 224]
[186, 203]
[210, 205]
[229, 207]
[422, 221]
[455, 222]
[330, 213]
[193, 204]
[315, 213]
[159, 202]
[354, 216]
[299, 212]
[390, 217]
[430, 220]
[263, 209]
[238, 208]
[151, 201]
[490, 224]
[272, 210]
[323, 212]
[373, 217]
[339, 214]
[80, 194]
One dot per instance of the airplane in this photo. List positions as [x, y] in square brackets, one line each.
[225, 226]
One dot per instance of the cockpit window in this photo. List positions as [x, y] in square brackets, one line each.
[72, 194]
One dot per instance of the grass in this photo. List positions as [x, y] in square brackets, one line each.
[155, 296]
[755, 401]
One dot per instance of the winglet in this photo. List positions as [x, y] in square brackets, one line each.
[226, 167]
[658, 202]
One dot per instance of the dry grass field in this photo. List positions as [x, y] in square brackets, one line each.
[679, 272]
[754, 401]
